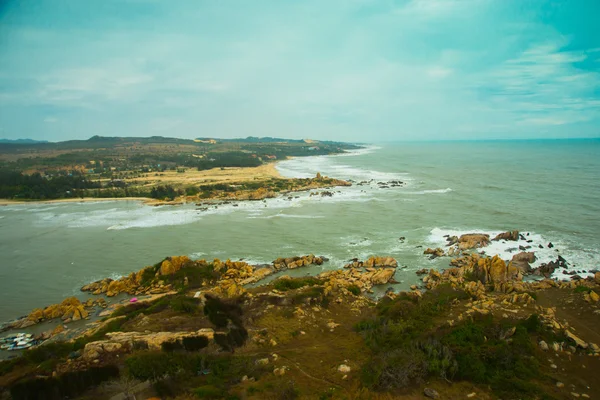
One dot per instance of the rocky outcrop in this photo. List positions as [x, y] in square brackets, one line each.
[295, 262]
[173, 264]
[473, 241]
[363, 278]
[377, 261]
[126, 341]
[512, 235]
[434, 252]
[70, 309]
[232, 275]
[522, 260]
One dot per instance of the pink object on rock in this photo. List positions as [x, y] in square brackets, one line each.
[133, 300]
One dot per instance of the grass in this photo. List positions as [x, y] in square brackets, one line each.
[582, 289]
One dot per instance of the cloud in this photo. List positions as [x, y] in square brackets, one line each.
[337, 70]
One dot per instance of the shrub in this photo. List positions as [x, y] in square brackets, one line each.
[171, 346]
[151, 365]
[188, 305]
[582, 289]
[194, 343]
[289, 284]
[355, 290]
[209, 392]
[67, 385]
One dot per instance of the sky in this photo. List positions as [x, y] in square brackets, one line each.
[352, 70]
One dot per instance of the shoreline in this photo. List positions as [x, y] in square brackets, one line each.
[211, 176]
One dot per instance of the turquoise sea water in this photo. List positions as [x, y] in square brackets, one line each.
[548, 189]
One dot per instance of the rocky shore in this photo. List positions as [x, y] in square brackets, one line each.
[273, 319]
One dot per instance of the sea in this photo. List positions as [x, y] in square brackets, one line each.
[549, 190]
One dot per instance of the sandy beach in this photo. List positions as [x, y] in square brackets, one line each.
[215, 175]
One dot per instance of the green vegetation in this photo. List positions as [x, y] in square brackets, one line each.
[295, 283]
[355, 290]
[103, 166]
[582, 289]
[67, 385]
[408, 348]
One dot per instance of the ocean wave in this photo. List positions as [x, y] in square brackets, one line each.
[431, 191]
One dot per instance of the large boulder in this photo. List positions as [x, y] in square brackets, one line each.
[377, 261]
[382, 276]
[522, 261]
[173, 264]
[70, 308]
[512, 235]
[434, 252]
[473, 240]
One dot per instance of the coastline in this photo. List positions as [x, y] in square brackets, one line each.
[211, 176]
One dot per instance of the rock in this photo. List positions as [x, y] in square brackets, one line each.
[413, 287]
[382, 276]
[423, 271]
[344, 369]
[473, 240]
[279, 371]
[262, 361]
[377, 261]
[597, 277]
[434, 252]
[173, 264]
[59, 328]
[578, 341]
[513, 235]
[560, 385]
[508, 333]
[576, 395]
[594, 296]
[543, 345]
[433, 394]
[522, 260]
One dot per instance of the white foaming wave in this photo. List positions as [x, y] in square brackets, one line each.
[196, 255]
[577, 259]
[287, 216]
[308, 167]
[358, 152]
[431, 191]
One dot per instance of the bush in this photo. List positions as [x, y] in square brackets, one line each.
[67, 385]
[355, 290]
[151, 365]
[209, 392]
[171, 346]
[194, 343]
[289, 284]
[188, 305]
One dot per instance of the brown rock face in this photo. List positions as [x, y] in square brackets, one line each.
[71, 308]
[473, 240]
[377, 261]
[173, 264]
[513, 235]
[382, 276]
[434, 252]
[522, 260]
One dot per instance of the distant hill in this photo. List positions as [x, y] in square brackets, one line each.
[253, 139]
[22, 141]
